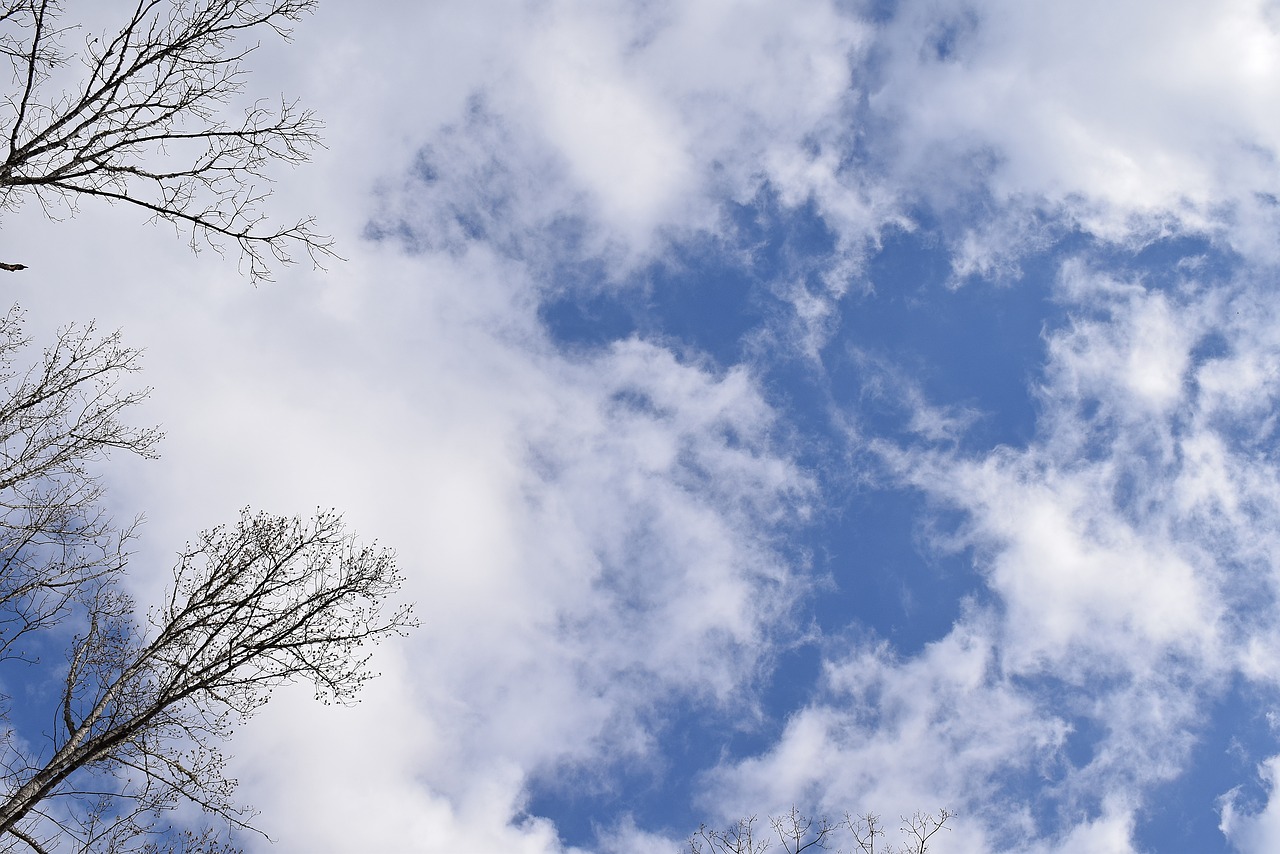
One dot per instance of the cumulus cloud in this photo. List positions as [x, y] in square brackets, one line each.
[1137, 112]
[631, 125]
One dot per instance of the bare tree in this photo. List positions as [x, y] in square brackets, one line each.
[921, 827]
[866, 829]
[140, 115]
[56, 419]
[738, 839]
[798, 832]
[918, 829]
[132, 731]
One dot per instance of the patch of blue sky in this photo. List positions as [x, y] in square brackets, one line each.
[1182, 815]
[882, 573]
[707, 294]
[33, 676]
[665, 793]
[977, 347]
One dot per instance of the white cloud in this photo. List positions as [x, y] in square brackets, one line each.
[1127, 119]
[632, 123]
[897, 736]
[621, 142]
[1257, 832]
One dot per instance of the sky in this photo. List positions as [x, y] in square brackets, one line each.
[860, 405]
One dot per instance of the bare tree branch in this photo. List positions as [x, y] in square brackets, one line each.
[146, 698]
[738, 839]
[142, 118]
[921, 827]
[56, 420]
[798, 833]
[253, 606]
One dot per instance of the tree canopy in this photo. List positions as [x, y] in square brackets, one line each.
[133, 713]
[124, 705]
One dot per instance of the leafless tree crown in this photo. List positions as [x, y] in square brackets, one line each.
[798, 832]
[131, 716]
[57, 419]
[143, 115]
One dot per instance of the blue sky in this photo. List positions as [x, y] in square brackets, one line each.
[855, 405]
